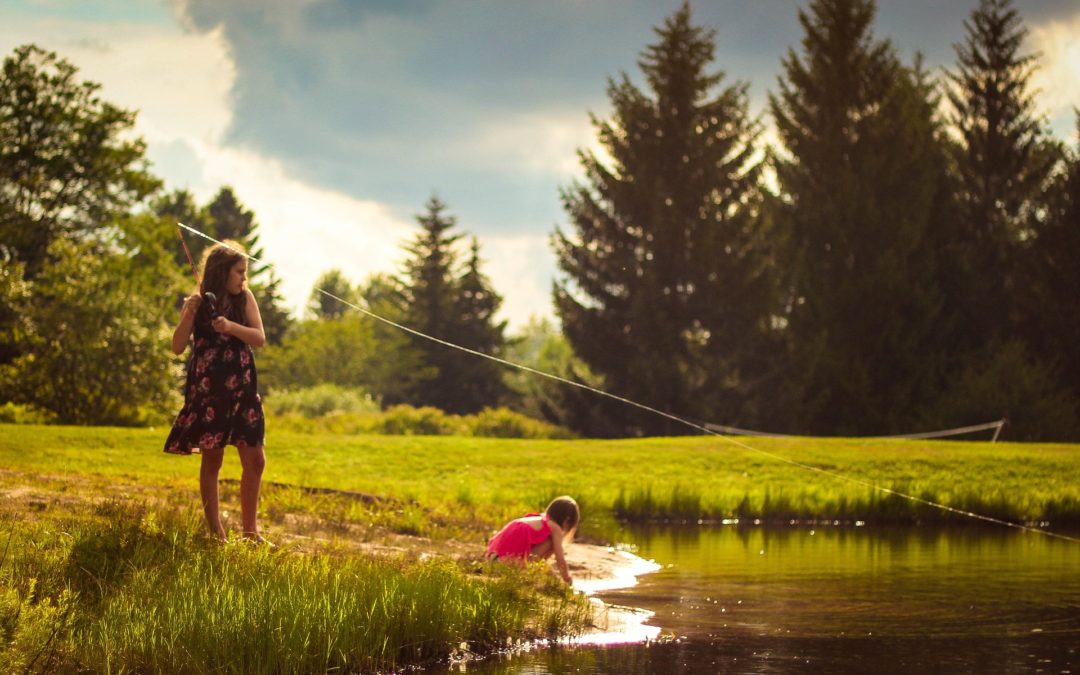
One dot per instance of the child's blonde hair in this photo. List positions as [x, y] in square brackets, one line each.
[564, 511]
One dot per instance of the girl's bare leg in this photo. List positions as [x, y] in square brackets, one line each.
[253, 461]
[542, 550]
[208, 487]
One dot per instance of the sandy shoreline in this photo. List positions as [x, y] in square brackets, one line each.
[604, 568]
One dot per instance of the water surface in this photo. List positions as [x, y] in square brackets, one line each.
[840, 599]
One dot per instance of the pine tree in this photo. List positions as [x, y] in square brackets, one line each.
[433, 298]
[480, 382]
[179, 206]
[1050, 296]
[1002, 162]
[861, 178]
[667, 291]
[427, 302]
[230, 220]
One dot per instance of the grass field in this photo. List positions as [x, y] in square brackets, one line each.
[475, 483]
[104, 564]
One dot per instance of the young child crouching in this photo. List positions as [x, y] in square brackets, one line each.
[538, 536]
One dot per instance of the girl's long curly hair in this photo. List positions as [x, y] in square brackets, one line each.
[216, 263]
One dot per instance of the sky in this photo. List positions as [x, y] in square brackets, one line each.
[336, 120]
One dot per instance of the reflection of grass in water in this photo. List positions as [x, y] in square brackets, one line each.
[465, 486]
[126, 588]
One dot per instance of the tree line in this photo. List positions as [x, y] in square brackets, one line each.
[912, 267]
[902, 258]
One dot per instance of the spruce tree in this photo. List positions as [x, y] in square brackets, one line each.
[480, 382]
[179, 206]
[861, 175]
[1001, 164]
[434, 298]
[1050, 276]
[231, 220]
[666, 293]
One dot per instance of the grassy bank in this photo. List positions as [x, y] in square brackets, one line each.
[120, 587]
[461, 487]
[104, 565]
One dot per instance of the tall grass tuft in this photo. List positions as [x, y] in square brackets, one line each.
[130, 590]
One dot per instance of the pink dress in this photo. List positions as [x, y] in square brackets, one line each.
[517, 538]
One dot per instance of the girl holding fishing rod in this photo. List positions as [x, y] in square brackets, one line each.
[221, 400]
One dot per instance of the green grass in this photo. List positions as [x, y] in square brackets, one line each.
[125, 588]
[105, 566]
[467, 484]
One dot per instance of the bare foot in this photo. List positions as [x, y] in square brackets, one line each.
[256, 538]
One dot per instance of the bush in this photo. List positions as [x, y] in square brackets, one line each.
[320, 400]
[16, 413]
[426, 421]
[402, 420]
[505, 423]
[1004, 380]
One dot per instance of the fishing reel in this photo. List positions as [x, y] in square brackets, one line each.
[211, 306]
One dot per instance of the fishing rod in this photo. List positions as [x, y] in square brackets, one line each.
[661, 413]
[209, 296]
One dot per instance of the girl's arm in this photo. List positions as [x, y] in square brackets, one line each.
[182, 333]
[252, 333]
[560, 557]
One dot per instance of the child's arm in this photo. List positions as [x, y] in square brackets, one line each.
[182, 333]
[253, 333]
[560, 556]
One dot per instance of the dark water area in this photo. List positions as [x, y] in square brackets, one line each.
[838, 599]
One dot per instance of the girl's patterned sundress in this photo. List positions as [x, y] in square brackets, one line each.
[221, 397]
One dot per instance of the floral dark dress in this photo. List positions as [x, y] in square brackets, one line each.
[221, 398]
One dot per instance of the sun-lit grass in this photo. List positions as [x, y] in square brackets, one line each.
[104, 564]
[126, 588]
[466, 484]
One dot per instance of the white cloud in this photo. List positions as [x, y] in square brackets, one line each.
[1058, 77]
[179, 82]
[305, 230]
[521, 269]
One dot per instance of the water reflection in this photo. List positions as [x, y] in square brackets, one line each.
[841, 599]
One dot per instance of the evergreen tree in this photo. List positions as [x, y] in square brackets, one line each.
[434, 299]
[1050, 280]
[480, 382]
[230, 220]
[667, 290]
[179, 206]
[400, 368]
[862, 184]
[1002, 162]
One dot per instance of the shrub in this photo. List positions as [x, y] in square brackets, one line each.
[426, 421]
[320, 400]
[15, 413]
[505, 423]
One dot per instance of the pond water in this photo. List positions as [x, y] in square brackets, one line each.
[838, 599]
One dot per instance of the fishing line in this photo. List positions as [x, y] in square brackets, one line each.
[661, 413]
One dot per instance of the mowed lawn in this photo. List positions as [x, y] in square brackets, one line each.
[684, 477]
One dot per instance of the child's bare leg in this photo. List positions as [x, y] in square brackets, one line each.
[208, 487]
[253, 461]
[542, 550]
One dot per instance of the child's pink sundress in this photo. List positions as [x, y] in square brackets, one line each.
[517, 538]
